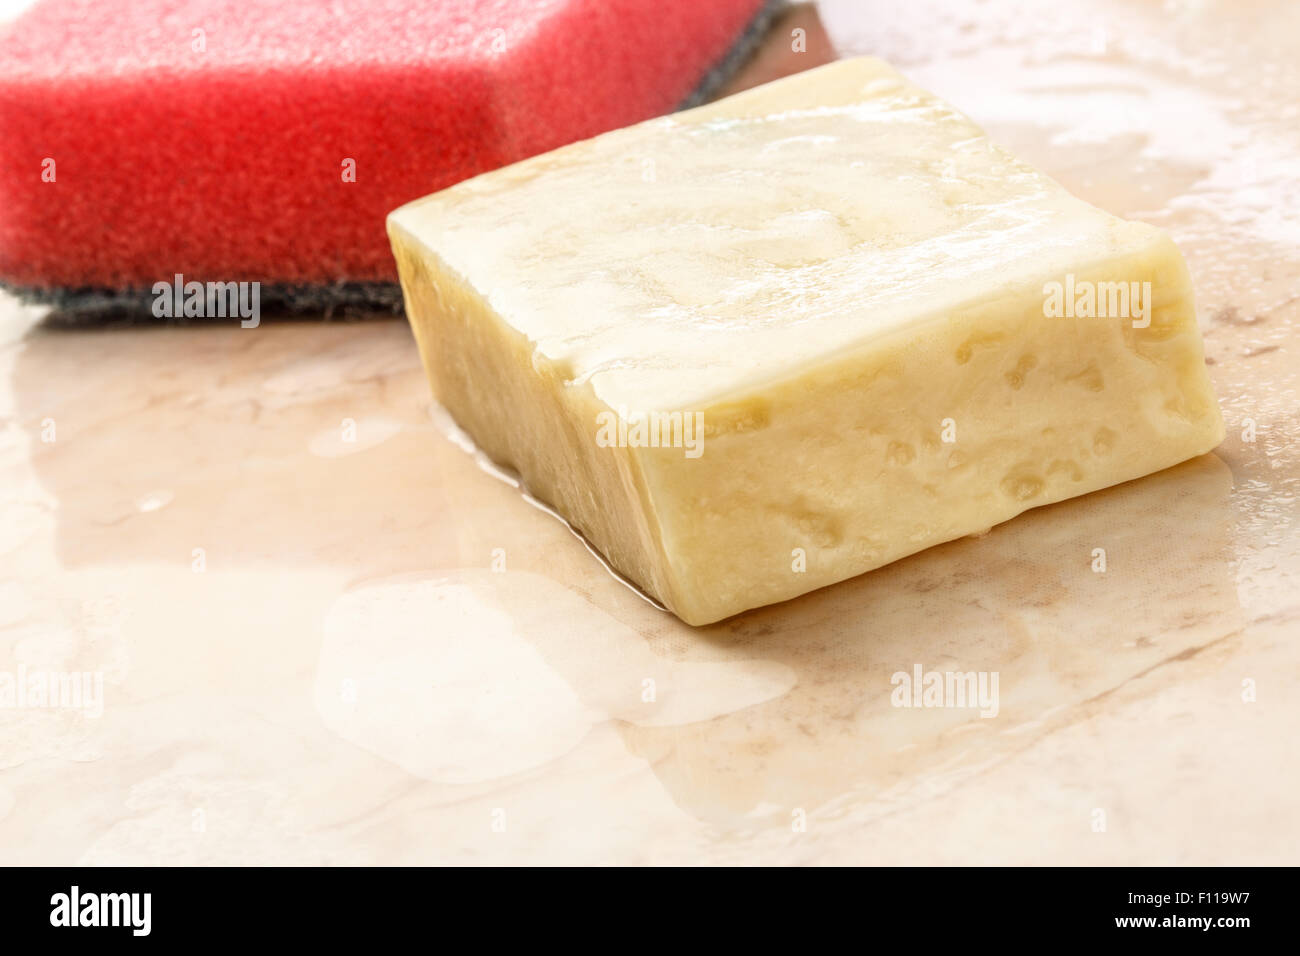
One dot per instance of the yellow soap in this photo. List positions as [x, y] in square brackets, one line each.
[759, 347]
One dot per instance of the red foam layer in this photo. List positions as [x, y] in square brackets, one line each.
[226, 162]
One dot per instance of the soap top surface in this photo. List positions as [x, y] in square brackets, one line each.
[696, 257]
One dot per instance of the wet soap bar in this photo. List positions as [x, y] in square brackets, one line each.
[892, 332]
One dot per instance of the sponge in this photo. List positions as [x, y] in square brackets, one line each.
[258, 140]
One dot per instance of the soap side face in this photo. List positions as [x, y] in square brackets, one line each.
[872, 379]
[522, 414]
[962, 423]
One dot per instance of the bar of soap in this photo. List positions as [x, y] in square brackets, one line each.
[759, 347]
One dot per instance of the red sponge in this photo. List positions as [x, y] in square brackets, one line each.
[217, 138]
